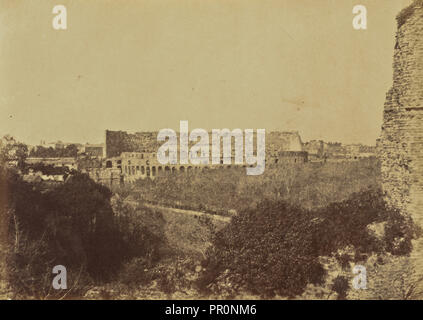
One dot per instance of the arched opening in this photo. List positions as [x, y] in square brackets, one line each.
[142, 170]
[189, 168]
[173, 169]
[182, 169]
[154, 171]
[159, 170]
[167, 169]
[148, 171]
[109, 164]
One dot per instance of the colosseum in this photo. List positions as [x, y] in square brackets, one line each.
[135, 154]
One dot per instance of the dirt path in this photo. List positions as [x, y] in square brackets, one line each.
[190, 212]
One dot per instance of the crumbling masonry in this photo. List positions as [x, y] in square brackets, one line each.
[401, 142]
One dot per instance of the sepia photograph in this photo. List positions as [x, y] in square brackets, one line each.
[213, 150]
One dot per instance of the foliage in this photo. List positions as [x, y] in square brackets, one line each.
[70, 150]
[274, 249]
[340, 286]
[12, 150]
[270, 250]
[73, 225]
[309, 185]
[48, 169]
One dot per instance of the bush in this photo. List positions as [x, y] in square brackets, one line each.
[340, 286]
[275, 248]
[310, 185]
[72, 225]
[268, 251]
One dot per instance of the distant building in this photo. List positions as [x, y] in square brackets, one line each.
[285, 157]
[359, 151]
[69, 162]
[277, 141]
[95, 150]
[315, 150]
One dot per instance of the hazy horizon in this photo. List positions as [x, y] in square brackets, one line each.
[145, 65]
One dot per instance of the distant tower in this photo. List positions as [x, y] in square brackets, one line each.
[105, 144]
[401, 141]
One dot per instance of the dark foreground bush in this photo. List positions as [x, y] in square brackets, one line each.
[275, 249]
[71, 225]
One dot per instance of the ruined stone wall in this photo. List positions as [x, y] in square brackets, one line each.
[121, 141]
[401, 142]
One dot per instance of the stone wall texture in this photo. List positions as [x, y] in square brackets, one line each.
[121, 141]
[401, 141]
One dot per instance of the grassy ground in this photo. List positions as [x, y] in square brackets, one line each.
[310, 185]
[187, 237]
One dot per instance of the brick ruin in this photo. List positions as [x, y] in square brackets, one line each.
[401, 141]
[121, 141]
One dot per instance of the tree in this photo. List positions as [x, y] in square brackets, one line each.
[274, 249]
[267, 251]
[13, 151]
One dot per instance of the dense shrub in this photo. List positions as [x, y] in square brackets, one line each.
[47, 169]
[270, 251]
[340, 286]
[275, 248]
[309, 185]
[73, 225]
[50, 152]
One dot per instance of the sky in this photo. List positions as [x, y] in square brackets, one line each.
[144, 65]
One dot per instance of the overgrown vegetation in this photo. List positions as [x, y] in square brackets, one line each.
[287, 224]
[274, 249]
[48, 169]
[50, 152]
[71, 225]
[308, 185]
